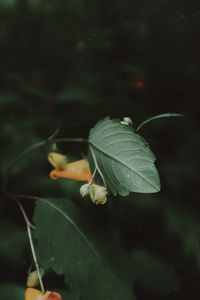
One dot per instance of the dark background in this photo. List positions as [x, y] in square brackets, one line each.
[66, 64]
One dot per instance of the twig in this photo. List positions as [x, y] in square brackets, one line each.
[29, 226]
[97, 167]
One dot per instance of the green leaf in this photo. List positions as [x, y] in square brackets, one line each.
[11, 291]
[12, 237]
[161, 116]
[66, 246]
[124, 158]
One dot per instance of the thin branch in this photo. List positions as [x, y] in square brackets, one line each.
[24, 214]
[93, 174]
[52, 136]
[97, 167]
[39, 145]
[29, 225]
[161, 116]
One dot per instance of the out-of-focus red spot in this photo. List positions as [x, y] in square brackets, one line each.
[138, 84]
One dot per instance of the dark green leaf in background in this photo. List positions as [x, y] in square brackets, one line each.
[12, 242]
[66, 246]
[124, 158]
[10, 291]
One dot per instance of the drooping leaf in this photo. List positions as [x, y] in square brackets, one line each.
[67, 247]
[123, 157]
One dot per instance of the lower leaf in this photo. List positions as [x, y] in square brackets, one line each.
[65, 245]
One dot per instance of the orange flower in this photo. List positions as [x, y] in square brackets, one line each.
[78, 170]
[34, 294]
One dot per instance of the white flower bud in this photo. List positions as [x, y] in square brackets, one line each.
[98, 193]
[84, 189]
[127, 121]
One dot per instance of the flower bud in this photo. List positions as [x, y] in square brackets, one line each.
[57, 160]
[84, 189]
[98, 193]
[127, 121]
[32, 279]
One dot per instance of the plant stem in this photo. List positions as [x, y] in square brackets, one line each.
[29, 225]
[39, 145]
[97, 167]
[161, 116]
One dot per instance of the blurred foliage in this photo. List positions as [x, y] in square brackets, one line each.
[66, 64]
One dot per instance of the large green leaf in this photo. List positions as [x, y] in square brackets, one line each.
[66, 245]
[123, 157]
[12, 236]
[11, 291]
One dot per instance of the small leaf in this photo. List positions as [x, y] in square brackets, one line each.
[12, 243]
[67, 247]
[123, 157]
